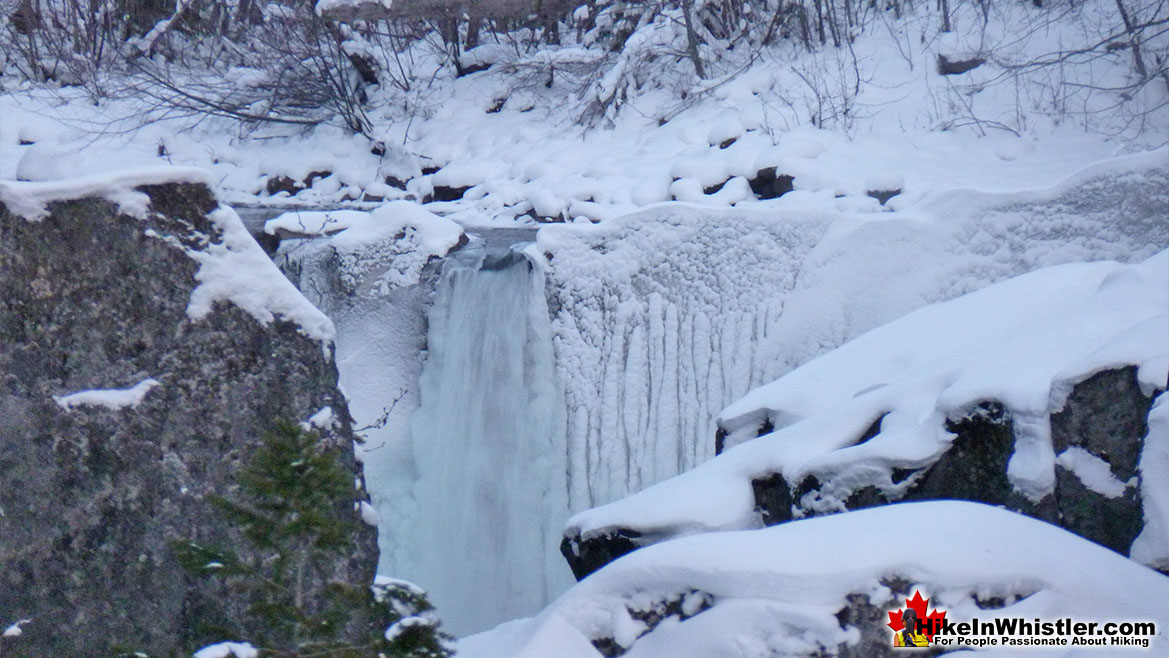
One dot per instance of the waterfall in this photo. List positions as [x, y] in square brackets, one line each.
[490, 494]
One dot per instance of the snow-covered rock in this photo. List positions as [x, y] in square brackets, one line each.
[368, 254]
[823, 586]
[117, 398]
[233, 268]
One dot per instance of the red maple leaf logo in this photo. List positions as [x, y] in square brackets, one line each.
[919, 606]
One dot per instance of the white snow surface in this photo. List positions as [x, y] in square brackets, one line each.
[30, 199]
[406, 623]
[228, 650]
[534, 151]
[324, 6]
[1023, 342]
[238, 271]
[369, 515]
[1093, 472]
[776, 591]
[1151, 547]
[385, 582]
[110, 398]
[322, 419]
[314, 222]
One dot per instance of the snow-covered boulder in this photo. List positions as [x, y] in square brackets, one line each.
[1033, 393]
[825, 586]
[146, 343]
[350, 254]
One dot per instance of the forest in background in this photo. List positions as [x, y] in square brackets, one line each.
[342, 61]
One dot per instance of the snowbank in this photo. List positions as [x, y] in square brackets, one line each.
[778, 591]
[308, 223]
[228, 650]
[324, 7]
[1152, 546]
[1022, 342]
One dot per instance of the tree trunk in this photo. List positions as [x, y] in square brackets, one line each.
[692, 40]
[1134, 39]
[472, 31]
[820, 21]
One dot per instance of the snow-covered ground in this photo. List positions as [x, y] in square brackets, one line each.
[778, 591]
[521, 138]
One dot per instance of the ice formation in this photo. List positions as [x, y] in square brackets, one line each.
[664, 317]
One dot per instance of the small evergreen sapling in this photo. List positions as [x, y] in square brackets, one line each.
[293, 509]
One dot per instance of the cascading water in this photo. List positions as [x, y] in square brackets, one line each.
[491, 494]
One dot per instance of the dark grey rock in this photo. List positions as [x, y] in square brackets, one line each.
[975, 466]
[651, 614]
[92, 496]
[883, 196]
[449, 193]
[870, 621]
[773, 499]
[585, 556]
[947, 66]
[768, 184]
[1107, 416]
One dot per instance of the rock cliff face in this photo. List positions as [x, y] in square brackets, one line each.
[95, 295]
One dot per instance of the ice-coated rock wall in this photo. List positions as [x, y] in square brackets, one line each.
[660, 319]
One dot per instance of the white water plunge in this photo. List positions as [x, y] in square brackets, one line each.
[488, 444]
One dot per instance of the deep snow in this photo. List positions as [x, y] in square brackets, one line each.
[776, 592]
